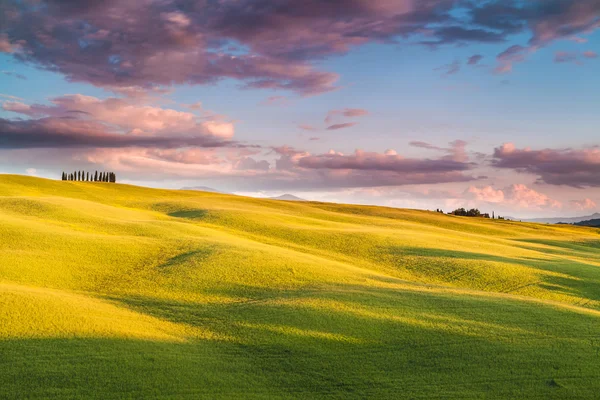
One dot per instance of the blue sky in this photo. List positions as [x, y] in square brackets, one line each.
[411, 125]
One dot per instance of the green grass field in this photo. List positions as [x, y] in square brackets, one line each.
[116, 291]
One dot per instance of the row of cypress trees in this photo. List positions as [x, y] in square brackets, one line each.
[83, 176]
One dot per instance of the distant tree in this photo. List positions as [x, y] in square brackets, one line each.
[473, 212]
[63, 177]
[96, 176]
[460, 212]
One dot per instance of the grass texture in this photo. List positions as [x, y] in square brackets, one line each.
[116, 291]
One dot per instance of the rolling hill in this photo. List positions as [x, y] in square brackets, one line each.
[118, 291]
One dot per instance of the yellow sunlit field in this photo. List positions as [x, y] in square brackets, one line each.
[116, 291]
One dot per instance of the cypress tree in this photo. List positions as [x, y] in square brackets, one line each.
[96, 177]
[87, 176]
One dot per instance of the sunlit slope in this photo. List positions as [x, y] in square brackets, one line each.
[120, 291]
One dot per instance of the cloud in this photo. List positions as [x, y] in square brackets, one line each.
[513, 54]
[335, 127]
[249, 163]
[517, 195]
[71, 132]
[389, 161]
[564, 56]
[449, 69]
[346, 112]
[10, 97]
[582, 205]
[14, 74]
[456, 151]
[306, 127]
[474, 59]
[570, 167]
[572, 56]
[128, 116]
[261, 43]
[297, 169]
[275, 101]
[194, 106]
[85, 121]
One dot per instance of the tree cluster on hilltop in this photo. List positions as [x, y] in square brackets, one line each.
[473, 212]
[83, 176]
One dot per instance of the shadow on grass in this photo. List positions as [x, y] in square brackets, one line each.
[577, 278]
[190, 214]
[341, 341]
[587, 248]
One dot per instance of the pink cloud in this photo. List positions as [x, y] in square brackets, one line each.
[564, 56]
[127, 116]
[585, 204]
[517, 195]
[577, 168]
[510, 56]
[305, 127]
[200, 44]
[275, 101]
[457, 150]
[389, 161]
[346, 112]
[335, 127]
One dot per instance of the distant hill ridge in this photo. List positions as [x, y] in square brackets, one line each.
[288, 197]
[590, 222]
[564, 220]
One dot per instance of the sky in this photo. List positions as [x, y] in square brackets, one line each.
[404, 103]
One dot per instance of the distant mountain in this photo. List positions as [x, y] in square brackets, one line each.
[591, 222]
[288, 197]
[203, 189]
[564, 220]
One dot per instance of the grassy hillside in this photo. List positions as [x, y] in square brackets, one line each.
[116, 291]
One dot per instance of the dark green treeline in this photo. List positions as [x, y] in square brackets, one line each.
[83, 176]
